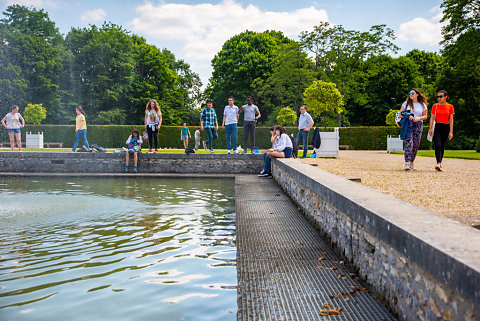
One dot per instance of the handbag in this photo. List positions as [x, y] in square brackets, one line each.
[430, 138]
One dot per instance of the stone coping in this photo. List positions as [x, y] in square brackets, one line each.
[447, 249]
[92, 155]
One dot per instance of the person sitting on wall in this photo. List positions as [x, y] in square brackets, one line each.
[133, 142]
[283, 149]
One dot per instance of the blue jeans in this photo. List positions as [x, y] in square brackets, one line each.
[267, 167]
[302, 139]
[232, 133]
[80, 133]
[212, 135]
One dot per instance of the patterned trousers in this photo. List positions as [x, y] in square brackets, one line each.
[412, 145]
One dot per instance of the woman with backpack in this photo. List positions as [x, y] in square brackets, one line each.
[283, 149]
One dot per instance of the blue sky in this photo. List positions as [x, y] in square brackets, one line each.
[195, 30]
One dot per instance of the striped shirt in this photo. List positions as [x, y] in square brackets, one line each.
[208, 117]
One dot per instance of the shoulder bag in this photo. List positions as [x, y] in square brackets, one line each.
[430, 138]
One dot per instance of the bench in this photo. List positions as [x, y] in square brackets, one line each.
[346, 147]
[48, 145]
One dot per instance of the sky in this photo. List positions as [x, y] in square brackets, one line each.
[195, 30]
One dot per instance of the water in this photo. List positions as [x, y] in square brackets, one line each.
[117, 249]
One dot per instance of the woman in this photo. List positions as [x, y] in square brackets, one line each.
[283, 149]
[134, 143]
[13, 126]
[416, 103]
[153, 121]
[442, 114]
[80, 128]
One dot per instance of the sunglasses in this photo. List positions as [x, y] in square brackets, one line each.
[440, 96]
[412, 93]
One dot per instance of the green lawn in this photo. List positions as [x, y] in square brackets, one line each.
[462, 154]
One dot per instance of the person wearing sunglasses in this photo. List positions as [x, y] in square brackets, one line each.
[416, 103]
[442, 115]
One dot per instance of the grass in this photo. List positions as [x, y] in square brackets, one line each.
[461, 154]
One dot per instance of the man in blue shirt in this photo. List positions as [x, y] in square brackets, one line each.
[230, 119]
[305, 123]
[209, 123]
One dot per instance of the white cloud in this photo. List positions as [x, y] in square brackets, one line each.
[203, 28]
[94, 15]
[34, 3]
[421, 30]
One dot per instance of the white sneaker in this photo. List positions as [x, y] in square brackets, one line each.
[211, 151]
[229, 151]
[235, 151]
[406, 167]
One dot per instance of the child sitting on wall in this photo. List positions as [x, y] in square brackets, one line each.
[133, 142]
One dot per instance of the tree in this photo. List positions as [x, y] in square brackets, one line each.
[292, 73]
[390, 119]
[338, 52]
[243, 58]
[111, 117]
[286, 116]
[461, 16]
[322, 97]
[35, 113]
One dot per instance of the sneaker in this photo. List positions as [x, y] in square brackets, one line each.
[438, 168]
[268, 175]
[149, 151]
[264, 174]
[412, 168]
[135, 169]
[156, 150]
[126, 168]
[244, 151]
[229, 151]
[211, 151]
[204, 145]
[235, 151]
[406, 167]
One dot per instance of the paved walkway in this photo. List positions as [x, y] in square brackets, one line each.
[455, 192]
[286, 269]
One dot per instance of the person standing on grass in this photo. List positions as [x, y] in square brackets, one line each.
[185, 134]
[442, 113]
[134, 143]
[305, 123]
[230, 120]
[80, 128]
[13, 126]
[416, 103]
[197, 138]
[209, 123]
[153, 121]
[252, 114]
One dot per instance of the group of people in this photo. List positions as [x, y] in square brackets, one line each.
[413, 111]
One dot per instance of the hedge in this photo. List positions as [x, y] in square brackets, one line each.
[114, 136]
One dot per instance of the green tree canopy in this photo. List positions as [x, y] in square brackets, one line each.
[461, 16]
[322, 97]
[286, 116]
[35, 113]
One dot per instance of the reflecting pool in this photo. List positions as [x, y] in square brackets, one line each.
[117, 249]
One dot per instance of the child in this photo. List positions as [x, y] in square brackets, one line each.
[13, 126]
[197, 138]
[184, 135]
[133, 142]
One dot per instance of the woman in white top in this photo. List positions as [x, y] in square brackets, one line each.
[417, 104]
[283, 149]
[13, 126]
[153, 121]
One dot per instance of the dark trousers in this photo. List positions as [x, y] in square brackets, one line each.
[152, 134]
[249, 130]
[212, 135]
[440, 137]
[302, 138]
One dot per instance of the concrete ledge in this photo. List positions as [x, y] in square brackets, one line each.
[49, 162]
[425, 265]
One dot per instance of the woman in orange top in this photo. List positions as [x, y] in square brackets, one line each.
[442, 113]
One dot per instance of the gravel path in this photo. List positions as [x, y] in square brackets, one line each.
[455, 192]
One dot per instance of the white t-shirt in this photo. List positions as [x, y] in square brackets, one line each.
[152, 114]
[418, 108]
[283, 142]
[197, 134]
[231, 113]
[13, 120]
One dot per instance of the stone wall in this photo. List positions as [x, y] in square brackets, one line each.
[421, 265]
[36, 162]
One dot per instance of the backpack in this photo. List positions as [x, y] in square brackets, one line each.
[294, 144]
[189, 151]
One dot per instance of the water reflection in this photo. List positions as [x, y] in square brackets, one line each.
[120, 249]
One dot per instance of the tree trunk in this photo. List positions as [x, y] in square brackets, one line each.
[325, 121]
[339, 120]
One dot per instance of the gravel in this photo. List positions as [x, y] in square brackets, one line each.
[455, 192]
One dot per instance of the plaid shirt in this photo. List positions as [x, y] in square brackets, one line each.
[208, 117]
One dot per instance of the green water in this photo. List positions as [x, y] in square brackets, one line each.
[117, 249]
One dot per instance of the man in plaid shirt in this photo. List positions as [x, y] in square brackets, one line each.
[209, 123]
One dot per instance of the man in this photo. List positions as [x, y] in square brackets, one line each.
[305, 123]
[209, 123]
[230, 120]
[252, 113]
